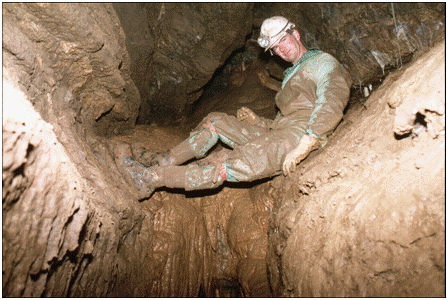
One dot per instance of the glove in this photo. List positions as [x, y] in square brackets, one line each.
[306, 145]
[244, 113]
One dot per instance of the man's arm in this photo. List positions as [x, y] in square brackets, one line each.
[333, 87]
[307, 144]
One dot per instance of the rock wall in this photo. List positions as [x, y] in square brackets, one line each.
[76, 54]
[176, 48]
[43, 207]
[72, 227]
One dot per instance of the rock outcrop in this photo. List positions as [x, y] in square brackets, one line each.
[364, 216]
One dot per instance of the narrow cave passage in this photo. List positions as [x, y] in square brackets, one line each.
[363, 216]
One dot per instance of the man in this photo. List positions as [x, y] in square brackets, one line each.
[311, 101]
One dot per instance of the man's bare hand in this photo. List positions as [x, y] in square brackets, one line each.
[244, 113]
[306, 145]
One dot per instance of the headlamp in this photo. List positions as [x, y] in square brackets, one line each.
[263, 41]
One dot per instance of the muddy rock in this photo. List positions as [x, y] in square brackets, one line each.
[74, 53]
[181, 45]
[363, 216]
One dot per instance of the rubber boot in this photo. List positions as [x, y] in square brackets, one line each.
[143, 179]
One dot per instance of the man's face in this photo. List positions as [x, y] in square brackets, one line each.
[289, 47]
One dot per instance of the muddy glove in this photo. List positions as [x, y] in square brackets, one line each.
[306, 145]
[244, 113]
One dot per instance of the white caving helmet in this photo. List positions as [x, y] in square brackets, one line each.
[272, 30]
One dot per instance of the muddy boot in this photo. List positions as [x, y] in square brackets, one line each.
[144, 179]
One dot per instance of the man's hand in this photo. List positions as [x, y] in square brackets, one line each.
[244, 113]
[306, 145]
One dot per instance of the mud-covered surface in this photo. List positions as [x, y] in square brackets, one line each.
[364, 216]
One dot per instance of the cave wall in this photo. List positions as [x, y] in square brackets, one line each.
[76, 54]
[70, 225]
[176, 48]
[68, 71]
[71, 228]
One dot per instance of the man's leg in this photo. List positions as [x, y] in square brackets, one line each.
[262, 157]
[214, 127]
[164, 171]
[192, 177]
[146, 179]
[174, 157]
[195, 146]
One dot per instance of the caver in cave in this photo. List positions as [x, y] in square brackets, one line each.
[311, 101]
[363, 216]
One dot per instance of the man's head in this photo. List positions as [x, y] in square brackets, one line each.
[279, 35]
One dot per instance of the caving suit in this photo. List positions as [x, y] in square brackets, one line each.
[313, 96]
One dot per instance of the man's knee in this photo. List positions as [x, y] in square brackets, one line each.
[202, 140]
